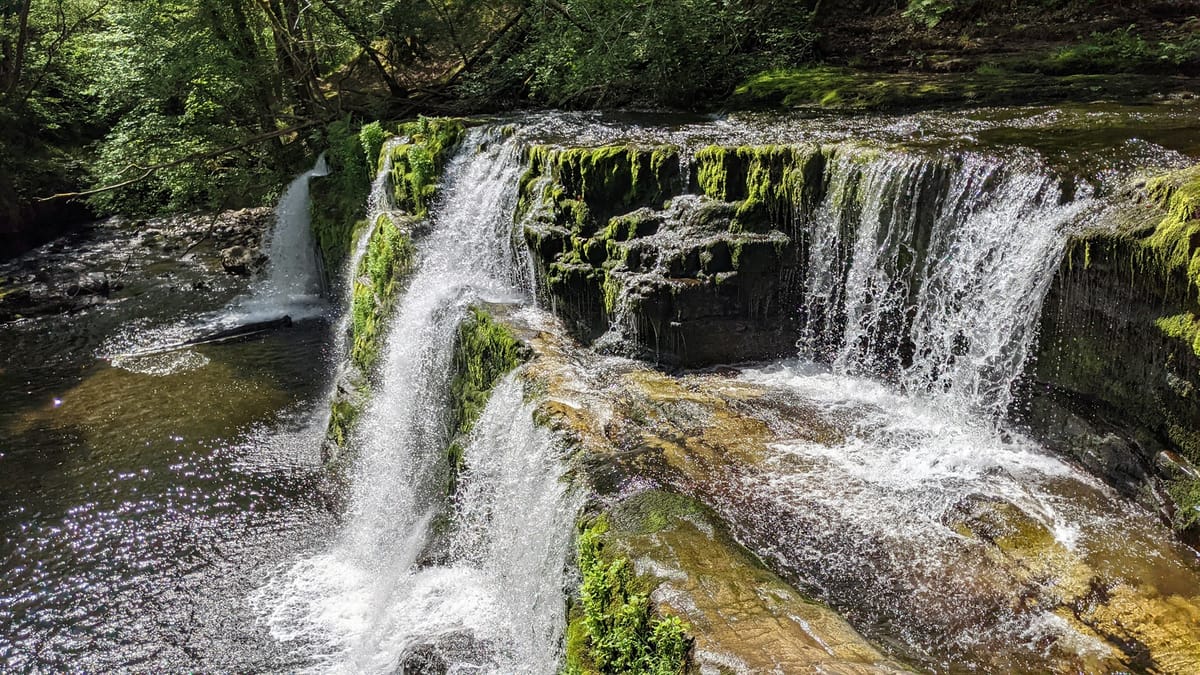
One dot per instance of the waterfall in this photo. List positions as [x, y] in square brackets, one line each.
[293, 282]
[931, 272]
[360, 604]
[294, 275]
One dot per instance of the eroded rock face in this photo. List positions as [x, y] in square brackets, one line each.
[1115, 379]
[683, 278]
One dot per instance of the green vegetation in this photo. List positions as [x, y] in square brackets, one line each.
[417, 164]
[587, 186]
[338, 200]
[1174, 240]
[385, 268]
[613, 628]
[484, 352]
[844, 88]
[343, 415]
[1186, 495]
[769, 182]
[1122, 51]
[153, 106]
[1182, 327]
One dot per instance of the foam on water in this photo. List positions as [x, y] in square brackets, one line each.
[364, 604]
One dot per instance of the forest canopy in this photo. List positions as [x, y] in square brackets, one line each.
[207, 104]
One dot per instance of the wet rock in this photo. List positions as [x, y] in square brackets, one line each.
[1087, 584]
[245, 227]
[742, 616]
[241, 261]
[95, 283]
[1118, 341]
[436, 657]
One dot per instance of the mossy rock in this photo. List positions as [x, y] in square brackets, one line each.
[485, 350]
[614, 627]
[417, 165]
[848, 89]
[384, 270]
[584, 187]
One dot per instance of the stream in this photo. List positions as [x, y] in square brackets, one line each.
[164, 507]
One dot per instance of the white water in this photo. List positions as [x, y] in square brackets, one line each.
[365, 602]
[293, 282]
[955, 256]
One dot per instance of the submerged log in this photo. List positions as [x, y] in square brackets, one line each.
[241, 332]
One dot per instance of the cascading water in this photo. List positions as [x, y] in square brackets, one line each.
[932, 273]
[363, 604]
[293, 282]
[379, 203]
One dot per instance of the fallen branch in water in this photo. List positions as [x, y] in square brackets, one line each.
[148, 171]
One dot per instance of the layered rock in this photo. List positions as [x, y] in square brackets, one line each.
[690, 279]
[1118, 365]
[988, 567]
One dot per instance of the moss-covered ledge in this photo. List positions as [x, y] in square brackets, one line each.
[1119, 349]
[385, 269]
[688, 274]
[838, 88]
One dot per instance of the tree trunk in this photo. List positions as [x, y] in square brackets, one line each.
[13, 75]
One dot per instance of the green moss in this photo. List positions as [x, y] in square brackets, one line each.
[339, 199]
[385, 267]
[1182, 327]
[583, 187]
[613, 629]
[484, 352]
[826, 86]
[1176, 239]
[1186, 495]
[1120, 51]
[768, 182]
[416, 165]
[343, 415]
[372, 137]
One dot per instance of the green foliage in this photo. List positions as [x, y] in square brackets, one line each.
[614, 629]
[929, 12]
[1123, 51]
[385, 267]
[619, 51]
[179, 78]
[1186, 495]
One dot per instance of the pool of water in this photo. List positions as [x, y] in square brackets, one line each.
[142, 499]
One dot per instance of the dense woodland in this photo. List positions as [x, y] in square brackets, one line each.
[209, 104]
